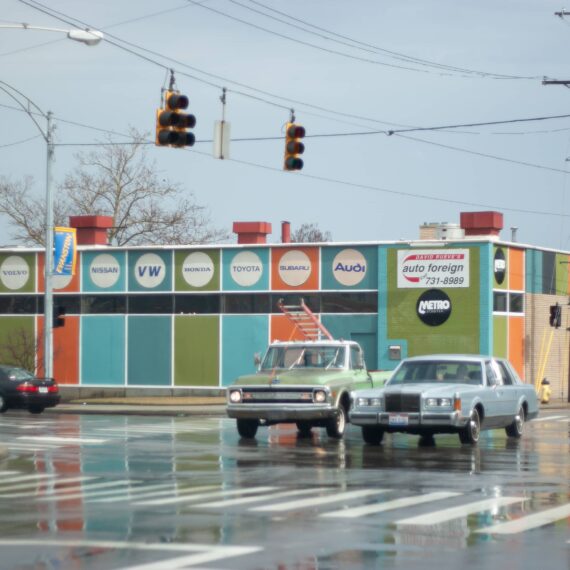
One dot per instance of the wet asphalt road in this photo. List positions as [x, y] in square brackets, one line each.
[161, 493]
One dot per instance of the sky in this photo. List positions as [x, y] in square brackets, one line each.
[352, 71]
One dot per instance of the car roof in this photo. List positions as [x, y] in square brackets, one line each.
[313, 343]
[450, 357]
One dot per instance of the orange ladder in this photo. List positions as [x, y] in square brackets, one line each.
[305, 320]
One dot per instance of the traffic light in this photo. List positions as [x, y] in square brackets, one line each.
[293, 147]
[58, 316]
[555, 315]
[172, 123]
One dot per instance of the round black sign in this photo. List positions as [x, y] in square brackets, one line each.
[433, 307]
[499, 266]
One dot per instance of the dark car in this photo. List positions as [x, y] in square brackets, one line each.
[21, 389]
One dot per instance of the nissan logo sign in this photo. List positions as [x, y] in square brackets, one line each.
[433, 307]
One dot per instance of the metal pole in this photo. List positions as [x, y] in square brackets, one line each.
[48, 296]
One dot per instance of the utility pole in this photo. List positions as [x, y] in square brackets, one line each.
[566, 83]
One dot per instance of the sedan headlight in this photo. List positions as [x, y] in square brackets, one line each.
[438, 402]
[235, 396]
[361, 402]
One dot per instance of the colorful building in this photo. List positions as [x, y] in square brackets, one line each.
[193, 317]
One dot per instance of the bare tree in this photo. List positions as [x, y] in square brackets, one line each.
[20, 349]
[310, 233]
[115, 180]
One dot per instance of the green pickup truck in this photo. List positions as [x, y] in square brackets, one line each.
[307, 383]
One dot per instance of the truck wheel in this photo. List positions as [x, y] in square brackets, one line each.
[247, 428]
[471, 432]
[372, 435]
[304, 429]
[337, 425]
[517, 427]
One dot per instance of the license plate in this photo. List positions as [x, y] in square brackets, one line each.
[398, 419]
[43, 390]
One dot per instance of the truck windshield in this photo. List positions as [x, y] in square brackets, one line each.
[304, 357]
[451, 372]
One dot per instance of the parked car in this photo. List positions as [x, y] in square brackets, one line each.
[307, 383]
[21, 389]
[446, 393]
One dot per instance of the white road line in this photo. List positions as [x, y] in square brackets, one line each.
[32, 446]
[48, 438]
[529, 522]
[258, 498]
[74, 489]
[389, 505]
[55, 483]
[4, 473]
[334, 497]
[445, 515]
[22, 478]
[188, 496]
[564, 421]
[85, 494]
[546, 419]
[170, 490]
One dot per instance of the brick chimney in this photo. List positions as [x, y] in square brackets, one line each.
[481, 223]
[252, 232]
[91, 230]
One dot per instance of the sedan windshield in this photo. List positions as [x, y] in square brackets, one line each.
[449, 372]
[304, 357]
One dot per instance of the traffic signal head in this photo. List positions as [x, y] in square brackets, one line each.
[171, 122]
[555, 319]
[293, 147]
[58, 316]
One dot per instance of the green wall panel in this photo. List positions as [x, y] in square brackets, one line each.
[15, 333]
[459, 334]
[196, 350]
[196, 270]
[149, 351]
[500, 339]
[17, 272]
[103, 350]
[561, 265]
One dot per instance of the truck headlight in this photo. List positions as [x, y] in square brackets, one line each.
[235, 396]
[319, 396]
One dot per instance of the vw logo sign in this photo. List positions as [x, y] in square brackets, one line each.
[198, 269]
[349, 267]
[150, 270]
[246, 268]
[433, 307]
[14, 272]
[104, 271]
[295, 267]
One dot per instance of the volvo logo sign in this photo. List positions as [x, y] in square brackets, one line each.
[433, 307]
[14, 272]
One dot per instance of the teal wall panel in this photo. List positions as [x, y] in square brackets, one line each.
[533, 271]
[245, 269]
[103, 271]
[150, 271]
[487, 278]
[149, 351]
[103, 350]
[242, 337]
[349, 268]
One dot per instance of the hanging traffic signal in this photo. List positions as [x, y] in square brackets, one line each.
[293, 147]
[58, 316]
[172, 123]
[555, 315]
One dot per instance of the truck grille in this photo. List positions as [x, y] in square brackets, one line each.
[402, 402]
[273, 396]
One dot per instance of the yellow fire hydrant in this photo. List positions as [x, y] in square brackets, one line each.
[544, 392]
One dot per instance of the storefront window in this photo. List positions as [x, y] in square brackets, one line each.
[499, 302]
[516, 304]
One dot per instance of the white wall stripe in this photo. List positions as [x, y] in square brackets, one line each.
[445, 515]
[389, 505]
[529, 522]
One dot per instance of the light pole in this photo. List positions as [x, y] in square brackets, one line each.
[90, 38]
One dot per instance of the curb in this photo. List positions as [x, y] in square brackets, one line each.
[138, 410]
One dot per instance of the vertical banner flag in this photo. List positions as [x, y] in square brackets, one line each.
[65, 251]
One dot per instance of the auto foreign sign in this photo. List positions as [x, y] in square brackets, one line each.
[349, 267]
[295, 268]
[246, 268]
[433, 307]
[14, 272]
[433, 268]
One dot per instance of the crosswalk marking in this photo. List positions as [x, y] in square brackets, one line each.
[53, 439]
[23, 478]
[4, 473]
[334, 497]
[65, 490]
[389, 505]
[528, 522]
[546, 419]
[55, 481]
[445, 515]
[85, 494]
[189, 496]
[147, 492]
[247, 500]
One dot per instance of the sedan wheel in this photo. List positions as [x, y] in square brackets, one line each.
[36, 409]
[337, 426]
[471, 432]
[247, 428]
[372, 435]
[3, 405]
[517, 427]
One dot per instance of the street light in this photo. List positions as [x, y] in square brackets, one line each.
[90, 38]
[87, 37]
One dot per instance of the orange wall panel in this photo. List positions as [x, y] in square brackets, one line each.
[71, 287]
[516, 269]
[65, 351]
[279, 258]
[282, 328]
[516, 344]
